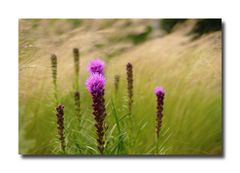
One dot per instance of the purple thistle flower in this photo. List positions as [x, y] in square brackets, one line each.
[96, 66]
[95, 85]
[160, 92]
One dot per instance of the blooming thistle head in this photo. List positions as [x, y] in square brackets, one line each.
[95, 83]
[96, 66]
[159, 91]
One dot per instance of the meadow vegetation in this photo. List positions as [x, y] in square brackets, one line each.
[189, 70]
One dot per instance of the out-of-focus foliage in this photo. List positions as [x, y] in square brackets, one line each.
[201, 27]
[138, 38]
[75, 22]
[204, 26]
[168, 24]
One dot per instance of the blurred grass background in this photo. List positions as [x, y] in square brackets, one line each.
[185, 61]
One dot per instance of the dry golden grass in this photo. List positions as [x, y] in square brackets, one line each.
[173, 54]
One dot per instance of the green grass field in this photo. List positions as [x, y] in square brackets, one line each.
[190, 71]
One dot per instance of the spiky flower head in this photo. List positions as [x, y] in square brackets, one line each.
[96, 66]
[54, 58]
[60, 109]
[159, 91]
[129, 65]
[60, 125]
[95, 83]
[129, 69]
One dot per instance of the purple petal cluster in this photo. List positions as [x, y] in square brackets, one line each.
[95, 83]
[159, 91]
[96, 66]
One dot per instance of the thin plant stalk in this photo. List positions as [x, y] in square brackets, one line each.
[77, 104]
[99, 116]
[120, 147]
[116, 83]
